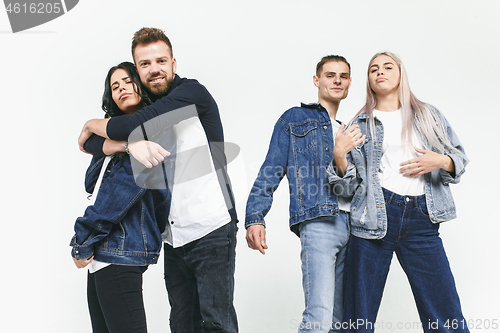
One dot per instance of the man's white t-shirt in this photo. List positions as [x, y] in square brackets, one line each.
[344, 204]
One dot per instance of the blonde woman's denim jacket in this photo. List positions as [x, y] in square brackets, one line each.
[362, 184]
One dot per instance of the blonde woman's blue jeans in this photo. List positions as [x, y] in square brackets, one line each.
[415, 241]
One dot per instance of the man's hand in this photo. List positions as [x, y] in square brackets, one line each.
[256, 238]
[97, 126]
[148, 153]
[348, 139]
[82, 262]
[84, 136]
[427, 162]
[345, 141]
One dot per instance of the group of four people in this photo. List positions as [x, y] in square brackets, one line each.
[358, 193]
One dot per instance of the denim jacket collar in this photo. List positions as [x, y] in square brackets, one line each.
[317, 106]
[313, 106]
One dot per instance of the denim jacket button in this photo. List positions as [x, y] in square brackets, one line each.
[327, 149]
[325, 127]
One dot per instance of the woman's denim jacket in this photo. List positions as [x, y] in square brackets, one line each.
[361, 182]
[301, 148]
[125, 223]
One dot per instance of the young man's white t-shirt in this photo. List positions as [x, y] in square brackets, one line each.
[344, 204]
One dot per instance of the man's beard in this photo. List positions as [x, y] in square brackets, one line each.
[159, 89]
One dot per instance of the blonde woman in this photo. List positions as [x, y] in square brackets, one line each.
[399, 176]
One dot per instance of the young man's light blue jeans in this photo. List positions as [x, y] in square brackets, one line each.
[323, 243]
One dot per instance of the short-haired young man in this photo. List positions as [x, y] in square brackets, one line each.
[200, 237]
[301, 148]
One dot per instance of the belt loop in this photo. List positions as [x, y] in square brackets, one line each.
[388, 195]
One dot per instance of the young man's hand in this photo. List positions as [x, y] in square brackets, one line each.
[345, 141]
[256, 238]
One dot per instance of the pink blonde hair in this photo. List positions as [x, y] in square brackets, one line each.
[417, 115]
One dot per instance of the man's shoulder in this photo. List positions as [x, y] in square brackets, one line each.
[185, 80]
[190, 89]
[189, 83]
[300, 113]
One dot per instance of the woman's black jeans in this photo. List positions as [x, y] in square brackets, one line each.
[114, 296]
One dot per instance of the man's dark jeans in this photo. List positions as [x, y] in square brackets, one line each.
[199, 277]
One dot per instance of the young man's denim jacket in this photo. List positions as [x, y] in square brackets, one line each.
[361, 181]
[301, 148]
[125, 223]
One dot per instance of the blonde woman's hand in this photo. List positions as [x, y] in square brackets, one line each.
[427, 162]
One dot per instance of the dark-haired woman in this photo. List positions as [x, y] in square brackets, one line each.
[120, 232]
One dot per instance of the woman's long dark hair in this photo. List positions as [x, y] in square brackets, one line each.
[108, 104]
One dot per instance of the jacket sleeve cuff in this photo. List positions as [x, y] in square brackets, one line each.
[333, 177]
[254, 219]
[453, 178]
[80, 252]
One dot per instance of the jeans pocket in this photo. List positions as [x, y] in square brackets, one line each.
[422, 209]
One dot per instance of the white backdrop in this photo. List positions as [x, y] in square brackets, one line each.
[257, 58]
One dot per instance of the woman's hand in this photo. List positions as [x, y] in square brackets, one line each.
[148, 153]
[82, 262]
[427, 162]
